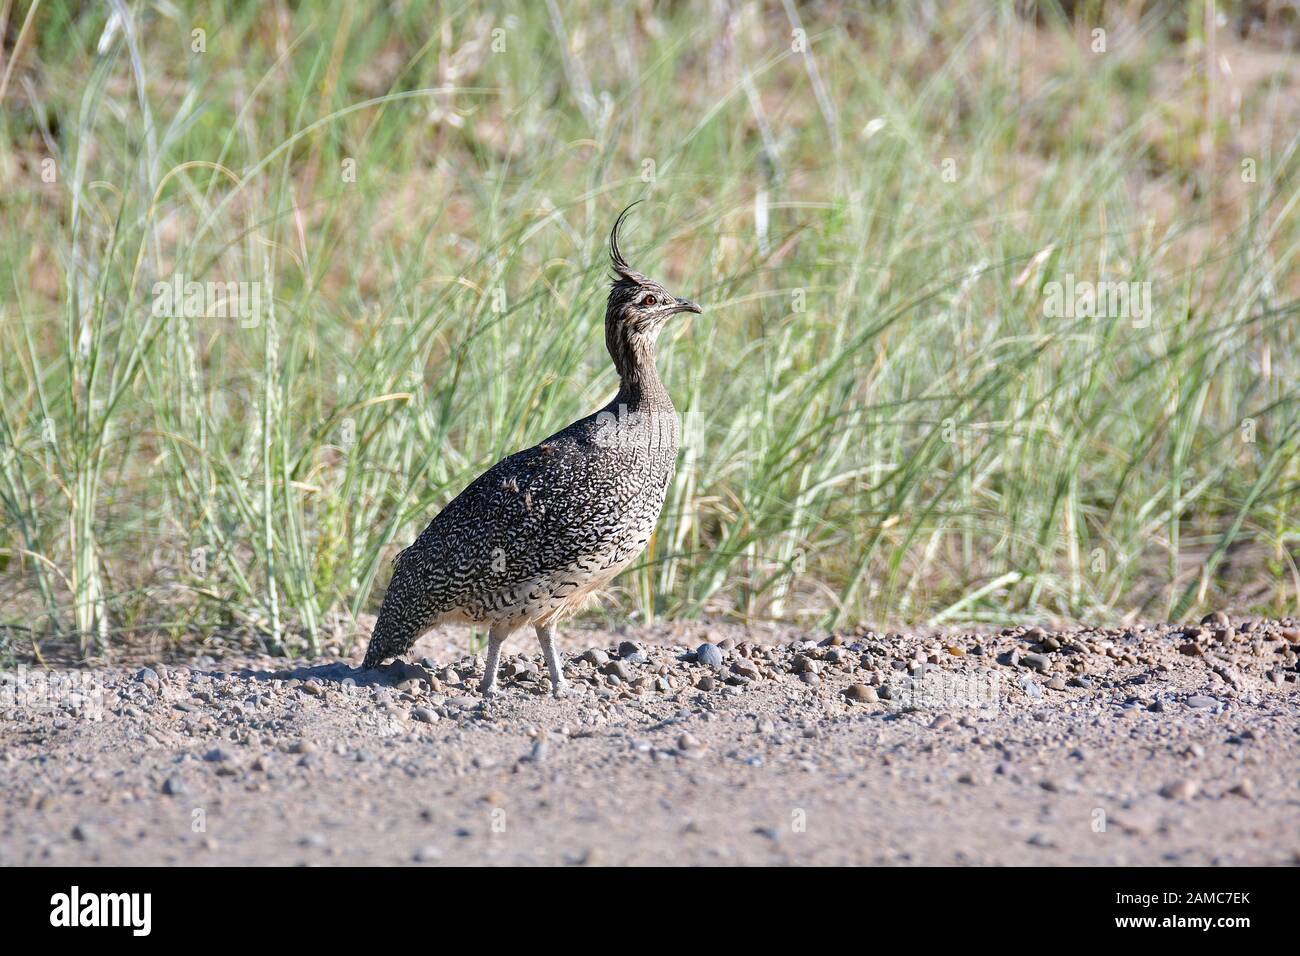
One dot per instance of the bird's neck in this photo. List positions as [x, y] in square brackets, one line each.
[639, 382]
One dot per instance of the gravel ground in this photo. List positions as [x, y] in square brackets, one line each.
[685, 745]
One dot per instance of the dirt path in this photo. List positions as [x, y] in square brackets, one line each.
[1078, 747]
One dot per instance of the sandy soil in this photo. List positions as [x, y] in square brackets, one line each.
[1156, 745]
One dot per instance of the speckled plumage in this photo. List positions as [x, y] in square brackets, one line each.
[533, 537]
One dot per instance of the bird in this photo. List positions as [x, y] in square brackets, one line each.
[531, 540]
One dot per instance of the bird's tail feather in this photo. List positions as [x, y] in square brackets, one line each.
[395, 629]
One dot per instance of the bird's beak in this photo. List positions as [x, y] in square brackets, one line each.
[686, 305]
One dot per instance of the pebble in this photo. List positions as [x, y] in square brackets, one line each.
[618, 669]
[632, 652]
[1038, 662]
[596, 657]
[1244, 789]
[425, 715]
[803, 664]
[861, 693]
[1031, 687]
[173, 787]
[744, 669]
[709, 656]
[1183, 789]
[1201, 701]
[705, 683]
[427, 854]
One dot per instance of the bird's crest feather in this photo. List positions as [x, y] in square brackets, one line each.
[616, 258]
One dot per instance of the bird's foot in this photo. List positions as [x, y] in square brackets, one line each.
[489, 690]
[561, 691]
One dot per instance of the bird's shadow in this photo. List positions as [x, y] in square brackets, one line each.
[340, 674]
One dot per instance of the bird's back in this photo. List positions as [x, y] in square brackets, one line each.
[538, 531]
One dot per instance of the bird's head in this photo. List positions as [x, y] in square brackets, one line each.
[637, 310]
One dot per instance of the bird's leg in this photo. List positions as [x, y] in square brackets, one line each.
[546, 637]
[496, 637]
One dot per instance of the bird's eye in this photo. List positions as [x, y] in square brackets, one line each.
[649, 300]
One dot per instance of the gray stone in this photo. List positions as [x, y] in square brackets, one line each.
[618, 669]
[1039, 662]
[709, 656]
